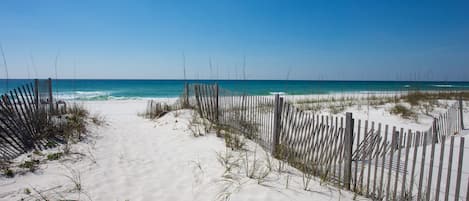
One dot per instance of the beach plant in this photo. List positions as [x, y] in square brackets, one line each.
[37, 152]
[265, 170]
[249, 129]
[77, 110]
[234, 141]
[55, 156]
[228, 161]
[335, 109]
[27, 191]
[428, 107]
[251, 169]
[207, 125]
[262, 175]
[194, 125]
[7, 172]
[74, 176]
[268, 161]
[307, 174]
[31, 165]
[51, 143]
[282, 155]
[219, 130]
[41, 195]
[404, 112]
[75, 125]
[97, 120]
[230, 185]
[414, 98]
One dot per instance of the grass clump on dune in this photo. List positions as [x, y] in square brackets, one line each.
[404, 112]
[7, 172]
[76, 121]
[54, 156]
[31, 165]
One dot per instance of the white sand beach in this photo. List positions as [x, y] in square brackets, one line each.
[132, 158]
[234, 100]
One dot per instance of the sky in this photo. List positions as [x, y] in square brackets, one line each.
[236, 39]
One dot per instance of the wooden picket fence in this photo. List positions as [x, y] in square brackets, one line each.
[24, 115]
[379, 161]
[393, 164]
[450, 122]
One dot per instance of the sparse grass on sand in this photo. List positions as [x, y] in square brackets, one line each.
[155, 109]
[407, 106]
[62, 131]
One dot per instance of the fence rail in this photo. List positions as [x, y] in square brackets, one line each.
[382, 162]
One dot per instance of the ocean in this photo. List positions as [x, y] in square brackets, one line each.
[87, 89]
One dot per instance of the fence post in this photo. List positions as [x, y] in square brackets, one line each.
[197, 98]
[276, 135]
[186, 95]
[460, 164]
[461, 112]
[216, 103]
[51, 102]
[348, 150]
[36, 93]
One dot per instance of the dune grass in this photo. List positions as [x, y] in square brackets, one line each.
[62, 130]
[423, 102]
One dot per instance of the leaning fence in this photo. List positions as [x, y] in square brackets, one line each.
[24, 113]
[382, 162]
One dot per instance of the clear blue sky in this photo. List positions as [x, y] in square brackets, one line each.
[364, 40]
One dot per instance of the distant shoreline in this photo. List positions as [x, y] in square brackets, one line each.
[147, 89]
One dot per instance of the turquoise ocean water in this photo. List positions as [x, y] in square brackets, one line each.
[142, 89]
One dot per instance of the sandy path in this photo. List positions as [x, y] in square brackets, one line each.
[143, 159]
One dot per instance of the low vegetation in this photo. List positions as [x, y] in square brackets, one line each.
[420, 102]
[54, 156]
[7, 172]
[31, 165]
[404, 112]
[233, 140]
[62, 131]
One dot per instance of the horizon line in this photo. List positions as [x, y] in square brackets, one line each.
[176, 79]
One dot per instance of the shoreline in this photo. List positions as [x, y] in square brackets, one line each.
[105, 96]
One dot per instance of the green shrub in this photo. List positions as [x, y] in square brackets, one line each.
[404, 112]
[8, 173]
[234, 141]
[27, 191]
[51, 144]
[31, 165]
[36, 152]
[414, 98]
[77, 110]
[76, 123]
[54, 156]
